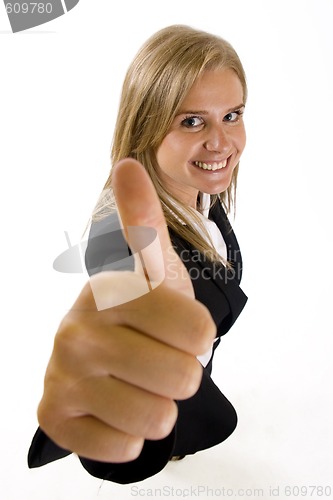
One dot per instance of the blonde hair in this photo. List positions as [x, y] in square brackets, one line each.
[156, 83]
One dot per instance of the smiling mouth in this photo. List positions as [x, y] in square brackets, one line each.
[211, 166]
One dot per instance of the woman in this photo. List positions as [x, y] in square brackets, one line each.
[124, 388]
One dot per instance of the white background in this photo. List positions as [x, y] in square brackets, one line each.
[59, 89]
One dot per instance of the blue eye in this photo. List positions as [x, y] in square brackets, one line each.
[192, 121]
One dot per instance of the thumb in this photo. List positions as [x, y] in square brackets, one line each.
[140, 209]
[146, 233]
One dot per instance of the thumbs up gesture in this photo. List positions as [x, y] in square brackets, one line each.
[115, 372]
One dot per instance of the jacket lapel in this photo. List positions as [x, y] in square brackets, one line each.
[227, 280]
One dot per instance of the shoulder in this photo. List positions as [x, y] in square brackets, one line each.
[107, 248]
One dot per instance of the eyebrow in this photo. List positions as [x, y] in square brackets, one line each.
[203, 112]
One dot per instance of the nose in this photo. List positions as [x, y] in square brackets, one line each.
[217, 140]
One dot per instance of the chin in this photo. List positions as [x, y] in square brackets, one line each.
[219, 189]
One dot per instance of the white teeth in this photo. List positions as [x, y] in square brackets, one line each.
[211, 166]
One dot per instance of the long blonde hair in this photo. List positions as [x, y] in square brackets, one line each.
[156, 83]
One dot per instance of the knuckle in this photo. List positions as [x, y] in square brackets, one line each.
[67, 333]
[160, 420]
[205, 330]
[189, 378]
[73, 340]
[43, 416]
[52, 424]
[129, 448]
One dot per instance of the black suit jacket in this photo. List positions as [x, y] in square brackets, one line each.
[205, 419]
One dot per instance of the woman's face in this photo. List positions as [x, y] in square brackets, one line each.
[206, 138]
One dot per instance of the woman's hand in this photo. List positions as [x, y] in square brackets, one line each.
[115, 372]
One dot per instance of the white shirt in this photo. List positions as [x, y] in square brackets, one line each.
[220, 247]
